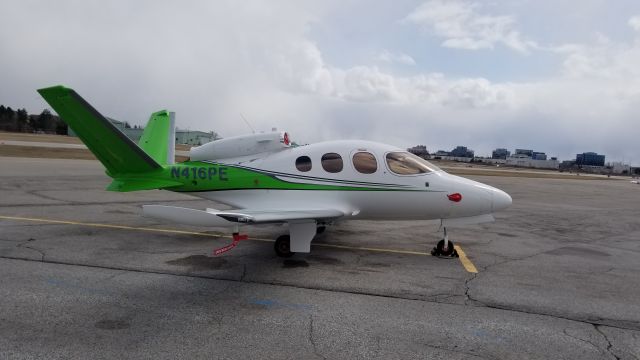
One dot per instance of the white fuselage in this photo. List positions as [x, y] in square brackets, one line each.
[409, 197]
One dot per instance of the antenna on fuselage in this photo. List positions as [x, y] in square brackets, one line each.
[247, 122]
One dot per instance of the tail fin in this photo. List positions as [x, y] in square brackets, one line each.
[159, 137]
[114, 149]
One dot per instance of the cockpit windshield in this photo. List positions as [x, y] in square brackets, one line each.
[406, 163]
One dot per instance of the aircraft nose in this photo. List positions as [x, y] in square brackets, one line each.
[501, 200]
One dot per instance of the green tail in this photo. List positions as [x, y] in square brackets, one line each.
[158, 138]
[129, 165]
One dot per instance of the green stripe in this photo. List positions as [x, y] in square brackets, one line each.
[243, 179]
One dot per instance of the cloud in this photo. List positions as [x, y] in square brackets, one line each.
[267, 61]
[634, 22]
[299, 66]
[461, 26]
[401, 58]
[368, 84]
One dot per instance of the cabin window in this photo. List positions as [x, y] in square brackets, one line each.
[405, 163]
[332, 162]
[365, 162]
[303, 163]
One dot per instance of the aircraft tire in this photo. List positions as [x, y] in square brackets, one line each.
[282, 246]
[439, 249]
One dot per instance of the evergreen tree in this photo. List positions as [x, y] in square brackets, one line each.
[61, 127]
[45, 120]
[3, 110]
[8, 119]
[22, 119]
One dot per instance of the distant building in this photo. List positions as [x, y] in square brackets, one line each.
[589, 159]
[522, 160]
[461, 152]
[419, 150]
[188, 137]
[567, 164]
[500, 153]
[197, 138]
[528, 153]
[538, 156]
[620, 168]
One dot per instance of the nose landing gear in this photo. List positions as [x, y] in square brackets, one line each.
[445, 247]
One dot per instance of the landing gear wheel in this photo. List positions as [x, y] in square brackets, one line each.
[439, 250]
[282, 246]
[320, 229]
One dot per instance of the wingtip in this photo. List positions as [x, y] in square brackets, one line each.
[53, 90]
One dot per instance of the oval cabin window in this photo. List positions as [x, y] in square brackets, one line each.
[365, 162]
[332, 162]
[405, 163]
[303, 163]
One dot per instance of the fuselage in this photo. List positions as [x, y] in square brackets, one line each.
[366, 180]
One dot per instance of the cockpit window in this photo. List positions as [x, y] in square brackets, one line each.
[303, 163]
[365, 162]
[405, 163]
[332, 162]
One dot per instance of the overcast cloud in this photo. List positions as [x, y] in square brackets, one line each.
[529, 74]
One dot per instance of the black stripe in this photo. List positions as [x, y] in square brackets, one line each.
[265, 188]
[304, 177]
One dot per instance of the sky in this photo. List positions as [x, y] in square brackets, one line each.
[562, 77]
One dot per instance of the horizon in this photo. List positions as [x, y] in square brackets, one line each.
[560, 159]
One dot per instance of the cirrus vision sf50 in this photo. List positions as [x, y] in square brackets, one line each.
[266, 180]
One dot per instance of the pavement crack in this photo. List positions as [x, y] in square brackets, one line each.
[467, 287]
[600, 349]
[312, 339]
[609, 345]
[37, 193]
[612, 323]
[244, 272]
[25, 246]
[444, 348]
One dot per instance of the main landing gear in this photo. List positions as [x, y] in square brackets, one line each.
[283, 246]
[299, 239]
[445, 247]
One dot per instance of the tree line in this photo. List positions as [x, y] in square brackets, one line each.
[20, 121]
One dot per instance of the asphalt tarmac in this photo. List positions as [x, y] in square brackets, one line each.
[83, 275]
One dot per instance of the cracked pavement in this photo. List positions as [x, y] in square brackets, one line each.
[558, 278]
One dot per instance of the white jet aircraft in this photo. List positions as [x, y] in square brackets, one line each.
[267, 180]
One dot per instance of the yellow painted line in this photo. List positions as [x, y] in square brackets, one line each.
[374, 249]
[125, 227]
[175, 231]
[468, 265]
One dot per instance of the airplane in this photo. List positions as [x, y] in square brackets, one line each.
[267, 180]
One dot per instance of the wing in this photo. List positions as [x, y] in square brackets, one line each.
[273, 216]
[213, 217]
